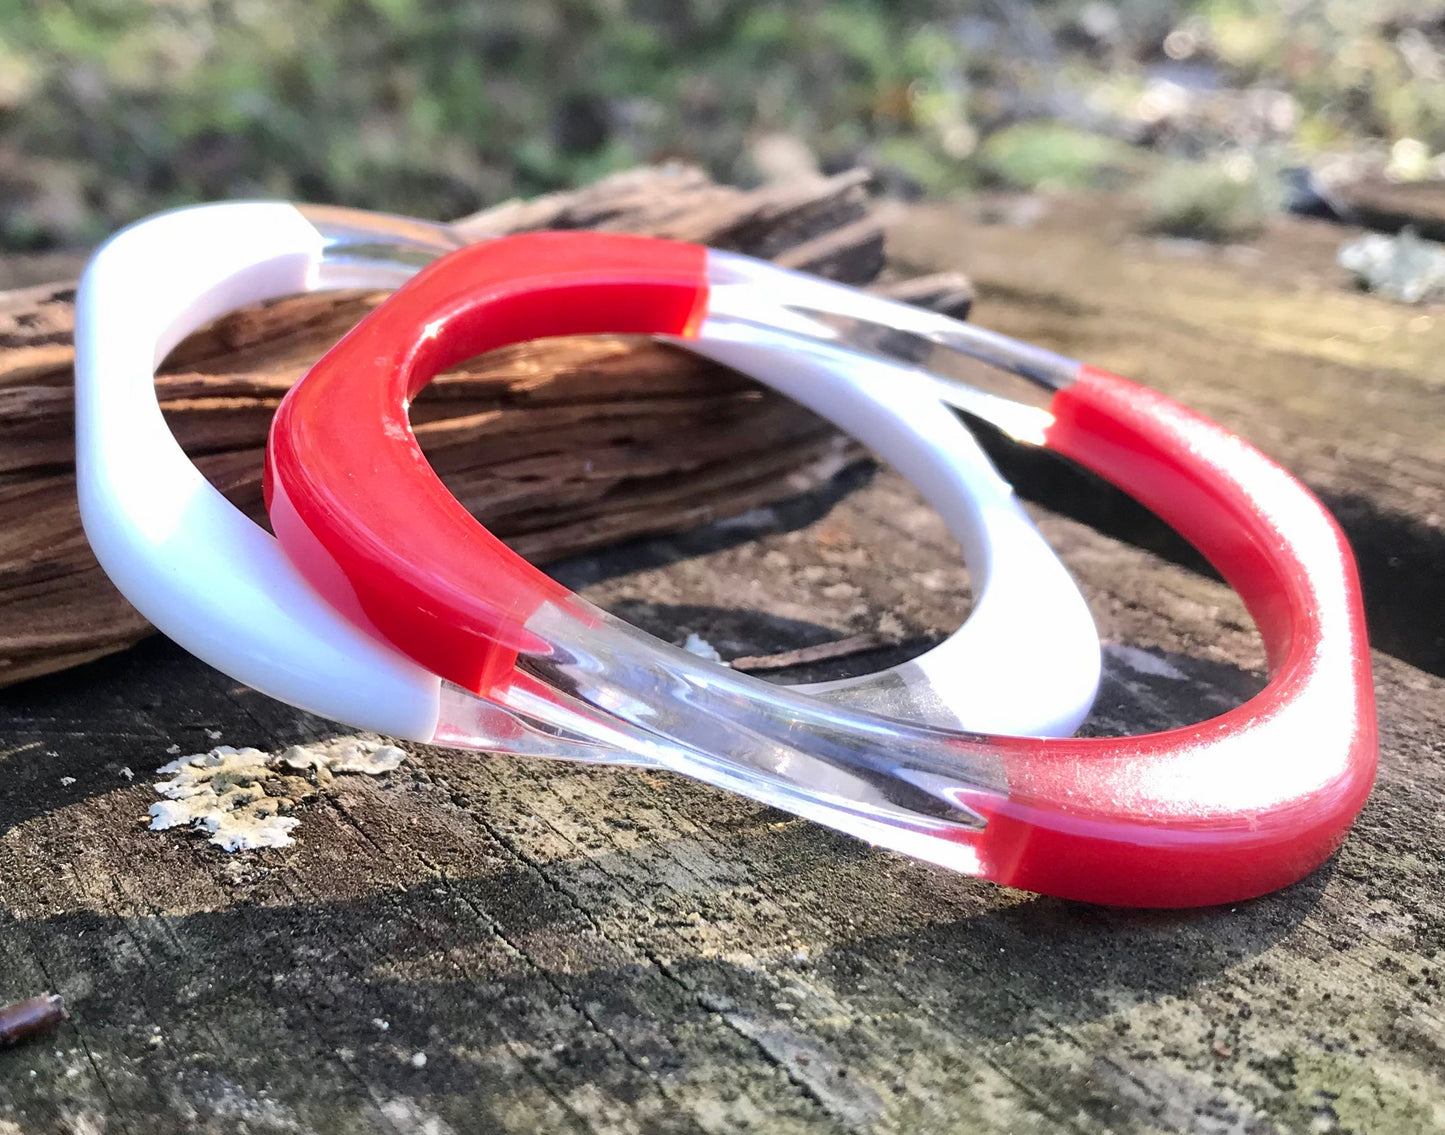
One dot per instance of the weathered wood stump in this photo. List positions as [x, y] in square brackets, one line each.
[489, 944]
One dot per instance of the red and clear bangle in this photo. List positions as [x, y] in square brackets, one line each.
[1214, 812]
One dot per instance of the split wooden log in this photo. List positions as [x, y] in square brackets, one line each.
[558, 446]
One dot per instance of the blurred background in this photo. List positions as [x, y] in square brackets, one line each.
[1216, 112]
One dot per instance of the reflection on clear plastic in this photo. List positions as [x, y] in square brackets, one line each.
[815, 308]
[604, 683]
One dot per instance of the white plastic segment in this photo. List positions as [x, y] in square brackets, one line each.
[190, 561]
[1025, 662]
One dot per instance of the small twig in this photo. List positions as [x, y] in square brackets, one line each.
[26, 1019]
[822, 652]
[948, 292]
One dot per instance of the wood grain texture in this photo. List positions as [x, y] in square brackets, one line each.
[559, 446]
[607, 951]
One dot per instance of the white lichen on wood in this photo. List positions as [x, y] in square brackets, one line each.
[696, 644]
[1404, 267]
[240, 797]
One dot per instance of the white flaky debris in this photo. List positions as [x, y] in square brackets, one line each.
[1404, 267]
[346, 754]
[239, 797]
[1142, 662]
[700, 646]
[407, 1118]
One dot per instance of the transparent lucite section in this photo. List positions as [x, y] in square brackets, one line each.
[602, 683]
[810, 307]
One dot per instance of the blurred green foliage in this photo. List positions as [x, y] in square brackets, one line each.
[1050, 155]
[110, 109]
[1214, 200]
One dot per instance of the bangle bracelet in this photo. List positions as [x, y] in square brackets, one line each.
[1207, 813]
[1026, 661]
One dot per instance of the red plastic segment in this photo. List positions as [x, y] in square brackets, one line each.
[1249, 801]
[351, 495]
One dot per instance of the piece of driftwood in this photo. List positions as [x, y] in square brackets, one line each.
[1390, 206]
[559, 446]
[485, 945]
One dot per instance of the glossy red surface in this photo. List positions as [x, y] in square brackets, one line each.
[1246, 802]
[350, 494]
[1209, 813]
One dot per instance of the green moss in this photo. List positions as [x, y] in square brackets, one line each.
[1351, 1096]
[1220, 200]
[1051, 155]
[923, 163]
